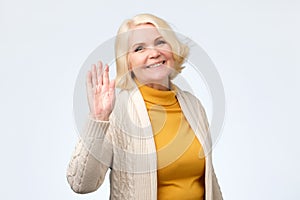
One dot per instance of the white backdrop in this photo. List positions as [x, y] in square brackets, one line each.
[254, 45]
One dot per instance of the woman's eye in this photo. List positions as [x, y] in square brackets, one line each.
[139, 48]
[161, 42]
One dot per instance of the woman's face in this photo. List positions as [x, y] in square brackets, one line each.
[150, 56]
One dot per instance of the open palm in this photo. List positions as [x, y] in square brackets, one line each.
[100, 92]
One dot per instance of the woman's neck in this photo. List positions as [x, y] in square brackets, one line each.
[158, 86]
[164, 86]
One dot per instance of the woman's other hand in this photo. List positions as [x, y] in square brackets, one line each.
[100, 92]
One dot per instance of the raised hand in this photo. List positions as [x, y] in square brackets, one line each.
[100, 92]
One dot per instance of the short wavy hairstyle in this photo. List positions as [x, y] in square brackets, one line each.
[180, 51]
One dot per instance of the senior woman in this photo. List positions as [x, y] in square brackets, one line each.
[153, 137]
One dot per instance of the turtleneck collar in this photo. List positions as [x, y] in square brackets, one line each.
[157, 97]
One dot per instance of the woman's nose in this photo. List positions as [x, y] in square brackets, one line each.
[153, 52]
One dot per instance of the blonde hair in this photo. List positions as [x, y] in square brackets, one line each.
[180, 50]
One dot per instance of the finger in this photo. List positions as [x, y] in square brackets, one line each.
[89, 84]
[99, 73]
[106, 76]
[94, 75]
[107, 70]
[112, 88]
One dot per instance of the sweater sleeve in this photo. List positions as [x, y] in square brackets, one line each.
[91, 158]
[216, 190]
[217, 194]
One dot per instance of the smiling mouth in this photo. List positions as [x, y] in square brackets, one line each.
[156, 64]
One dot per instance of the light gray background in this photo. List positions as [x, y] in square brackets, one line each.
[254, 45]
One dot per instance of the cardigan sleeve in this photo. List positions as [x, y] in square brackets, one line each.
[91, 158]
[216, 190]
[217, 194]
[192, 104]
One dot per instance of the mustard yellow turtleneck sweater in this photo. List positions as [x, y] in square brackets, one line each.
[181, 165]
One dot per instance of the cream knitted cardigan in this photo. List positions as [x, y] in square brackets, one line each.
[125, 144]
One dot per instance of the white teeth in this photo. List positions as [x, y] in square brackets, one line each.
[154, 65]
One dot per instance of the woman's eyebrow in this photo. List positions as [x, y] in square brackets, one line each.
[143, 43]
[159, 37]
[138, 44]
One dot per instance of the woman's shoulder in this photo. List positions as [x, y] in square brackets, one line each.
[126, 97]
[186, 95]
[190, 101]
